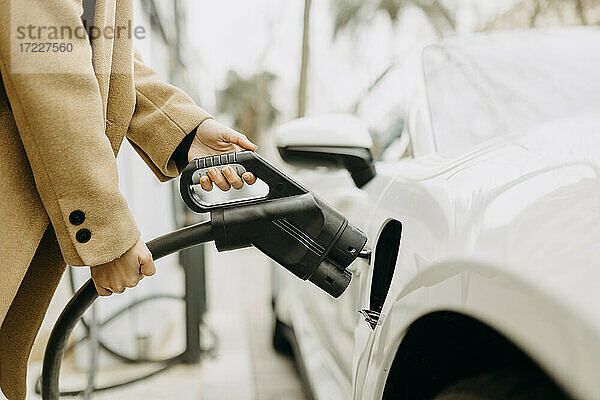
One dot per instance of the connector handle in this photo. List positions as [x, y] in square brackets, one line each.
[280, 185]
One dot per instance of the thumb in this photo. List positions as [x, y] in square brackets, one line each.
[147, 267]
[241, 140]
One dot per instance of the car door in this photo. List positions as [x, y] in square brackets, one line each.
[334, 319]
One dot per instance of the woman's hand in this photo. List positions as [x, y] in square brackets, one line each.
[126, 271]
[215, 138]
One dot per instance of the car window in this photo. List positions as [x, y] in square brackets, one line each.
[498, 84]
[383, 138]
[381, 109]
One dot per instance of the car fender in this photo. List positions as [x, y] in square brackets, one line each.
[561, 342]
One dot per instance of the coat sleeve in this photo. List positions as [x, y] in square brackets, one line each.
[164, 115]
[56, 103]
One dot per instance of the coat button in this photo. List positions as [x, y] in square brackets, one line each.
[83, 235]
[77, 217]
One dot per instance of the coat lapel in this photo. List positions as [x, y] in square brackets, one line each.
[102, 47]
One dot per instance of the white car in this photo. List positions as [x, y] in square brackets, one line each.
[483, 219]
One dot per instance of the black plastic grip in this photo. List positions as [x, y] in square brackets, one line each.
[280, 185]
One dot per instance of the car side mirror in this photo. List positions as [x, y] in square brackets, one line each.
[333, 141]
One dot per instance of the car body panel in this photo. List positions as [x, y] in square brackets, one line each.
[507, 232]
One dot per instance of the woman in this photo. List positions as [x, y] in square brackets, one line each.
[63, 117]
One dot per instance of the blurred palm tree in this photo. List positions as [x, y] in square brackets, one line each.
[546, 13]
[249, 102]
[350, 14]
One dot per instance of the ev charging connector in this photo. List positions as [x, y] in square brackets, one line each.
[290, 224]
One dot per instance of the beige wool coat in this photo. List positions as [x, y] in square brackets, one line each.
[63, 117]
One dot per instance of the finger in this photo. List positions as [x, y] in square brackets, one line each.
[147, 267]
[241, 140]
[218, 179]
[249, 178]
[102, 291]
[233, 178]
[206, 183]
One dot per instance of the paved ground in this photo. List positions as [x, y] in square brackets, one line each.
[244, 365]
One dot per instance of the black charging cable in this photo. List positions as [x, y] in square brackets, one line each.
[47, 383]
